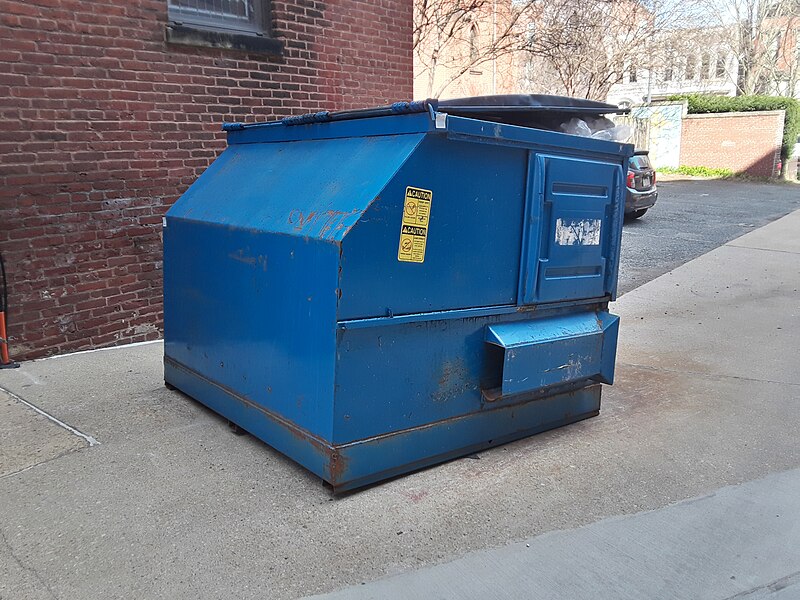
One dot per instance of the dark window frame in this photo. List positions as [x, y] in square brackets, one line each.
[720, 68]
[705, 66]
[218, 20]
[473, 42]
[191, 27]
[691, 68]
[669, 69]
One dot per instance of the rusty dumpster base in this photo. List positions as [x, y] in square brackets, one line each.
[357, 464]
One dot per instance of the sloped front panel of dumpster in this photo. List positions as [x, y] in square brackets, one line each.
[251, 264]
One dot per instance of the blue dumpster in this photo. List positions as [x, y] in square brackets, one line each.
[371, 292]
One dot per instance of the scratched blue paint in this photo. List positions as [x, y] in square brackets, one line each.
[313, 189]
[560, 350]
[496, 424]
[239, 311]
[447, 367]
[287, 311]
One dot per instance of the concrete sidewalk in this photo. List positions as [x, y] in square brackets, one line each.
[741, 542]
[168, 504]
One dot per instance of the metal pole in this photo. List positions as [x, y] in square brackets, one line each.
[649, 104]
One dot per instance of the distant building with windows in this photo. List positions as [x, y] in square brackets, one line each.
[698, 61]
[687, 65]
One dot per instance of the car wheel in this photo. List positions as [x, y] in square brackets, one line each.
[637, 214]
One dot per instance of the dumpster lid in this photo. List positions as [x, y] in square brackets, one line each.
[523, 103]
[528, 110]
[541, 111]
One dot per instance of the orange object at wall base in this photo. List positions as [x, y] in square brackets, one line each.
[5, 361]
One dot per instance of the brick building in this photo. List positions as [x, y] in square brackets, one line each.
[110, 109]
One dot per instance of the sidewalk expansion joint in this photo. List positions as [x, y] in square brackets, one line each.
[24, 567]
[770, 588]
[33, 466]
[711, 375]
[89, 439]
[732, 245]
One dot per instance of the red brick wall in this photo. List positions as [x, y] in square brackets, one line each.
[743, 142]
[103, 125]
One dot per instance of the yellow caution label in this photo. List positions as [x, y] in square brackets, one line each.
[414, 230]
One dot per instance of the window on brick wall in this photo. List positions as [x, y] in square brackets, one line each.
[243, 16]
[236, 24]
[473, 43]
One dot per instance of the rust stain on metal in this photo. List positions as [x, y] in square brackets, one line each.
[337, 466]
[253, 261]
[299, 433]
[454, 380]
[492, 395]
[240, 257]
[447, 372]
[329, 222]
[300, 219]
[334, 221]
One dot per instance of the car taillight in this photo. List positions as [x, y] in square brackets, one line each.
[630, 179]
[653, 179]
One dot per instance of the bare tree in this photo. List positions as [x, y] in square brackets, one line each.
[791, 64]
[446, 41]
[582, 49]
[758, 33]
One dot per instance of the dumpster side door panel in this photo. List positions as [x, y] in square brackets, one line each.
[572, 225]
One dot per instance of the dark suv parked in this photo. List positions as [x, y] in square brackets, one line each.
[641, 184]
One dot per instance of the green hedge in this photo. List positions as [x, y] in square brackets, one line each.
[705, 103]
[701, 171]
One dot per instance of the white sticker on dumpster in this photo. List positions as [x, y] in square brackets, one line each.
[414, 228]
[578, 233]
